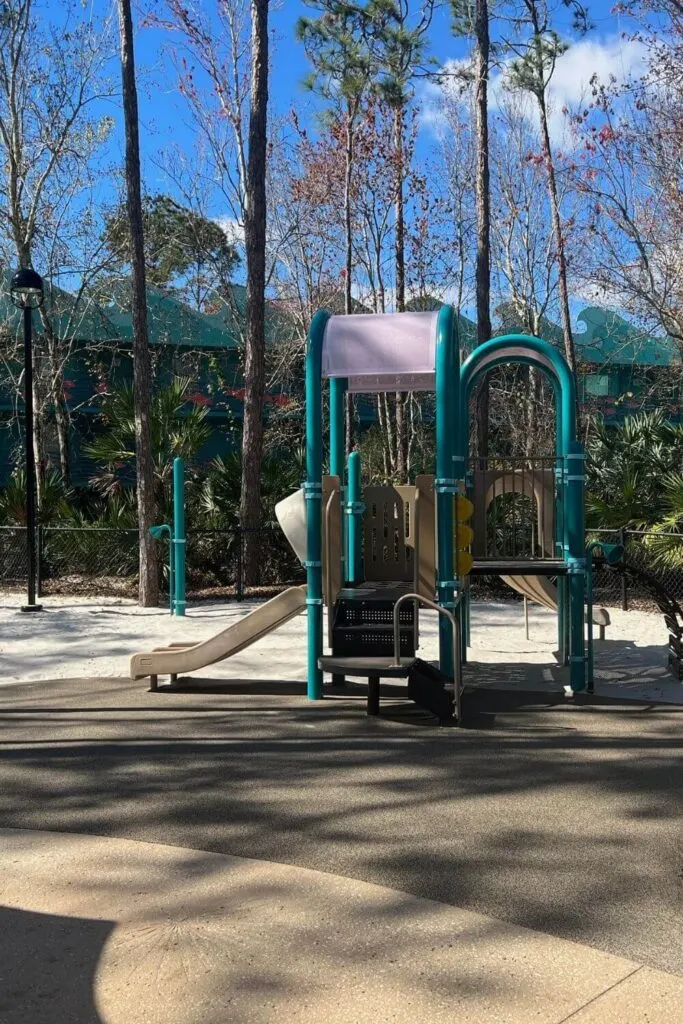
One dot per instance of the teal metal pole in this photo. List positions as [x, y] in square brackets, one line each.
[179, 544]
[313, 495]
[445, 483]
[338, 386]
[171, 573]
[354, 514]
[590, 680]
[576, 562]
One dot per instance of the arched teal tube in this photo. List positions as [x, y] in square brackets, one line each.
[445, 483]
[313, 495]
[526, 349]
[534, 352]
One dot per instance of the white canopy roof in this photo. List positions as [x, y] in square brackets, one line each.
[381, 351]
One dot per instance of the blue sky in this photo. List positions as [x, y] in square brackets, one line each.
[165, 119]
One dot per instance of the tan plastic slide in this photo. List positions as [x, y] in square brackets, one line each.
[182, 658]
[540, 590]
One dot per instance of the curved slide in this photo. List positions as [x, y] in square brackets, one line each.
[538, 589]
[182, 658]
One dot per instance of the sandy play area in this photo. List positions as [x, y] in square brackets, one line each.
[79, 637]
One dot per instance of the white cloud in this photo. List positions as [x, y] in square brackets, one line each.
[232, 228]
[610, 59]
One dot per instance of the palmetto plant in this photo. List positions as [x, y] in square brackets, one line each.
[178, 429]
[665, 541]
[631, 472]
[635, 482]
[219, 501]
[56, 499]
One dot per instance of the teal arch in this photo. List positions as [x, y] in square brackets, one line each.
[532, 351]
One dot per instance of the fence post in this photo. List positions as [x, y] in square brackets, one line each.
[624, 580]
[39, 563]
[239, 585]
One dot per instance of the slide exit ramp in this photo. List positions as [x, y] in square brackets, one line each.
[179, 659]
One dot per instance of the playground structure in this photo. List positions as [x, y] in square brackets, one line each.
[374, 554]
[411, 539]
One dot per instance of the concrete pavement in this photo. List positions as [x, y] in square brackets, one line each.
[163, 934]
[565, 821]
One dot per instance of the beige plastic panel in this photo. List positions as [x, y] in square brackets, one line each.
[332, 560]
[425, 533]
[389, 524]
[539, 485]
[291, 515]
[235, 638]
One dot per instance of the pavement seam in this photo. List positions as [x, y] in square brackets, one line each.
[601, 994]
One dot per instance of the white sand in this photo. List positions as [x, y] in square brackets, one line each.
[79, 637]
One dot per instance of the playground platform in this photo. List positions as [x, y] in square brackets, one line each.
[231, 852]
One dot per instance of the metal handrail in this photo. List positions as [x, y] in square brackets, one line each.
[328, 552]
[457, 666]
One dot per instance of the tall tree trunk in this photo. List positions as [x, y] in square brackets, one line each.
[255, 245]
[348, 259]
[149, 580]
[401, 441]
[569, 349]
[483, 201]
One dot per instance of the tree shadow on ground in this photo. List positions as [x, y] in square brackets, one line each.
[47, 967]
[564, 817]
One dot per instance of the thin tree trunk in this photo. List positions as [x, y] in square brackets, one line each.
[401, 455]
[483, 202]
[400, 213]
[348, 259]
[149, 580]
[62, 425]
[255, 245]
[56, 396]
[569, 349]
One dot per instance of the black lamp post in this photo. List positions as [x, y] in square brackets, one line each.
[26, 290]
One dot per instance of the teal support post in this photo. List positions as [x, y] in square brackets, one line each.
[338, 387]
[576, 561]
[354, 515]
[313, 496]
[562, 619]
[612, 553]
[179, 543]
[590, 679]
[445, 483]
[157, 533]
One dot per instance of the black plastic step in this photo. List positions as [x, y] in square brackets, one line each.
[362, 611]
[371, 640]
[430, 689]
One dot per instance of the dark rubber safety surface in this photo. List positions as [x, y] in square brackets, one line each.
[563, 818]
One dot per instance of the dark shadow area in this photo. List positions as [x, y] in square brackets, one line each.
[563, 816]
[47, 967]
[262, 687]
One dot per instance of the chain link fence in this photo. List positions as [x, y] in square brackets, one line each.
[100, 561]
[95, 561]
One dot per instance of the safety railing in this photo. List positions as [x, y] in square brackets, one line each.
[457, 663]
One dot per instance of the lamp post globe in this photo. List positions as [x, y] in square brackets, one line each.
[26, 289]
